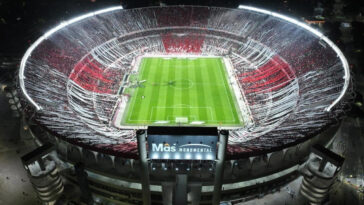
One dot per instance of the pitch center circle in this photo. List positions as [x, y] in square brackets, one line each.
[181, 84]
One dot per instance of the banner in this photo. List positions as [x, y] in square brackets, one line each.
[182, 147]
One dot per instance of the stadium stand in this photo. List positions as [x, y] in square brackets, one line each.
[288, 75]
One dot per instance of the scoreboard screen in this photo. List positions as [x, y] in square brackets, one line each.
[174, 143]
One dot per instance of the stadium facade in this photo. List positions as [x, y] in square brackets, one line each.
[292, 80]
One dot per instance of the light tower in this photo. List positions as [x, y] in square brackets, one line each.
[319, 174]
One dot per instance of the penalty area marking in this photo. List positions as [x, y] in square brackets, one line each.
[181, 120]
[194, 117]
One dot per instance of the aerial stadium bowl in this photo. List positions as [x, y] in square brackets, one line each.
[289, 81]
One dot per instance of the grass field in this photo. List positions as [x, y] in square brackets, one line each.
[181, 91]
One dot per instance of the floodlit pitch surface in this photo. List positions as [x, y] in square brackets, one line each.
[181, 91]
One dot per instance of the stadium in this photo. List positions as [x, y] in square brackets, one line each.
[272, 85]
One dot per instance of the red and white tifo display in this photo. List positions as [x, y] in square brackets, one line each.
[295, 81]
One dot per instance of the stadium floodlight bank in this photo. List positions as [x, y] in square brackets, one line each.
[287, 80]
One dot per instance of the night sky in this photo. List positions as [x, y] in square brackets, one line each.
[22, 22]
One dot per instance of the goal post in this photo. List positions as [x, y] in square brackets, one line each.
[181, 119]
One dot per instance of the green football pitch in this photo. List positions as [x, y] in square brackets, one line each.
[181, 91]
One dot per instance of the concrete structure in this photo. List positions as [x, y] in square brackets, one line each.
[319, 174]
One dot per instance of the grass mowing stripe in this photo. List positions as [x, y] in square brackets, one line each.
[173, 112]
[229, 92]
[202, 115]
[204, 93]
[170, 100]
[224, 94]
[185, 87]
[178, 94]
[193, 91]
[150, 91]
[143, 90]
[214, 91]
[136, 92]
[164, 73]
[234, 105]
[154, 91]
[226, 103]
[170, 93]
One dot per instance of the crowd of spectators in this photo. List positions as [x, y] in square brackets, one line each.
[287, 75]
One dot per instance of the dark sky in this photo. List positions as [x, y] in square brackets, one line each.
[23, 21]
